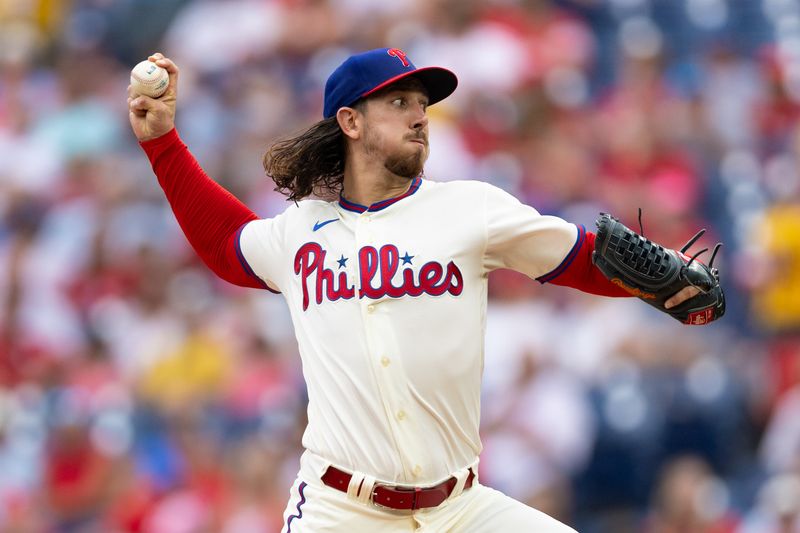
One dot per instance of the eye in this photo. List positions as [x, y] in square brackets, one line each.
[399, 101]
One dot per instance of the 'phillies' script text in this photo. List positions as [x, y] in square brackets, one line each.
[377, 269]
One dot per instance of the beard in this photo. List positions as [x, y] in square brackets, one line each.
[409, 166]
[405, 165]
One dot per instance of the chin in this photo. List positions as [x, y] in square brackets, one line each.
[408, 167]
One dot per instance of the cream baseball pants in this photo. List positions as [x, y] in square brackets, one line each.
[316, 508]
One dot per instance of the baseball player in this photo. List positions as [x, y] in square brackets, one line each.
[386, 284]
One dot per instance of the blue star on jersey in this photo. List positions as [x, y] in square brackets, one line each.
[343, 261]
[407, 259]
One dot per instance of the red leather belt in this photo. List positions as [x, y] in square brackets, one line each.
[407, 498]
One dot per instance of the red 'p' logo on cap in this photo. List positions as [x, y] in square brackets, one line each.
[399, 54]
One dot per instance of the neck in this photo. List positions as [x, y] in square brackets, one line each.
[366, 184]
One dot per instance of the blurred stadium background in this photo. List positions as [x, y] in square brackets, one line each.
[140, 394]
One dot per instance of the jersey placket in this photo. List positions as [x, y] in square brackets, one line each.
[386, 363]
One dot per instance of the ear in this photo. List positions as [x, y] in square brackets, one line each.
[349, 120]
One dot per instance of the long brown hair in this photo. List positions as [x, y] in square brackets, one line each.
[309, 163]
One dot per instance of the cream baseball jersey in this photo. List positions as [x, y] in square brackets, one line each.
[389, 305]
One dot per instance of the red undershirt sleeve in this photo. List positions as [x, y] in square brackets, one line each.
[578, 271]
[210, 216]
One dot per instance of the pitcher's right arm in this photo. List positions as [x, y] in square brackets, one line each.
[210, 216]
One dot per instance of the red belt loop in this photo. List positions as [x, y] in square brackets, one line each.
[415, 499]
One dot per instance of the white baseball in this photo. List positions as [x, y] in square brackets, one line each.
[149, 79]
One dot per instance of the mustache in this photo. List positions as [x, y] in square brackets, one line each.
[418, 137]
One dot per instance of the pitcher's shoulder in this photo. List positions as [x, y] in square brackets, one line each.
[458, 190]
[456, 186]
[307, 209]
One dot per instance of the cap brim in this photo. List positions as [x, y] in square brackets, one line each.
[439, 82]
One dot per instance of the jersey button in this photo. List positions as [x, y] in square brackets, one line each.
[385, 361]
[371, 308]
[417, 470]
[401, 415]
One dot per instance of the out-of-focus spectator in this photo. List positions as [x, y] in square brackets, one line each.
[778, 507]
[77, 478]
[780, 449]
[194, 373]
[776, 291]
[690, 499]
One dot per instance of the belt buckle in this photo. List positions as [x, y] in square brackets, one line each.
[415, 490]
[375, 493]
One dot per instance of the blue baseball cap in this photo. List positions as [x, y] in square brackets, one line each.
[363, 74]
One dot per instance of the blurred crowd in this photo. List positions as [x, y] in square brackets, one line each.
[138, 393]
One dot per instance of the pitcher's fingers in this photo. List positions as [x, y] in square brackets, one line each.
[681, 296]
[167, 64]
[159, 59]
[171, 68]
[142, 103]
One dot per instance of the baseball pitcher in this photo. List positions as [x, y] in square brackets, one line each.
[386, 284]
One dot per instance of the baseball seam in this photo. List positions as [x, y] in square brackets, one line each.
[149, 82]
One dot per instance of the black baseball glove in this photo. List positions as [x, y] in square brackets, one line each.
[653, 273]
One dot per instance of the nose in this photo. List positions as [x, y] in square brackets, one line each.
[421, 118]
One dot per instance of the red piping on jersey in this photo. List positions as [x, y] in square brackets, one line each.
[210, 217]
[383, 204]
[579, 272]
